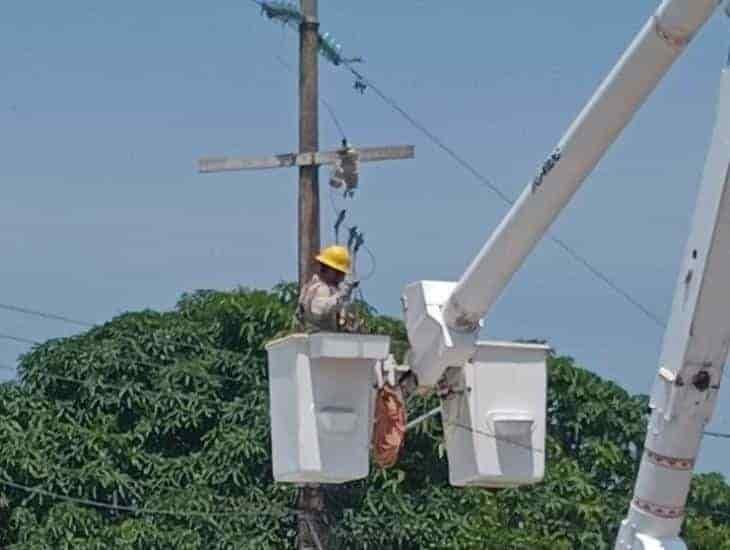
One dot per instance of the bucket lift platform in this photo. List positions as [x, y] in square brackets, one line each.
[321, 399]
[494, 416]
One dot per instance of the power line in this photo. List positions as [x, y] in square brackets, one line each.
[136, 361]
[18, 339]
[322, 100]
[444, 421]
[334, 118]
[528, 447]
[45, 315]
[718, 434]
[496, 437]
[368, 250]
[430, 135]
[155, 394]
[575, 255]
[134, 509]
[608, 281]
[74, 429]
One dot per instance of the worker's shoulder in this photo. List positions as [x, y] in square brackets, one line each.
[317, 286]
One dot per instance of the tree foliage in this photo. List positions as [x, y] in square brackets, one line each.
[164, 417]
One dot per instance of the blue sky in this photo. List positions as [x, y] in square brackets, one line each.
[105, 108]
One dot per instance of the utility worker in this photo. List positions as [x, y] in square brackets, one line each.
[323, 299]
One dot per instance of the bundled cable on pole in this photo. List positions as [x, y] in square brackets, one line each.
[290, 15]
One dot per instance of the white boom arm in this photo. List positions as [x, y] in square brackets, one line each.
[693, 355]
[443, 318]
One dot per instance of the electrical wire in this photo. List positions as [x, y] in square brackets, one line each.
[430, 135]
[45, 315]
[322, 100]
[136, 361]
[438, 410]
[373, 262]
[135, 509]
[575, 255]
[496, 437]
[718, 435]
[76, 429]
[18, 339]
[212, 514]
[608, 281]
[334, 118]
[366, 248]
[148, 393]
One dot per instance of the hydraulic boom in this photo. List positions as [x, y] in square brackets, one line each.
[693, 355]
[443, 318]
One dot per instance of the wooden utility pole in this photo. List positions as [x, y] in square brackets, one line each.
[313, 528]
[309, 242]
[312, 522]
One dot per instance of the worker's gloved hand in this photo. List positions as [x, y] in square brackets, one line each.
[349, 285]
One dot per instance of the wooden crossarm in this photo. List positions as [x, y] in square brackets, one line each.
[366, 154]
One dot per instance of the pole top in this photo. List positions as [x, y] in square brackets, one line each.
[309, 10]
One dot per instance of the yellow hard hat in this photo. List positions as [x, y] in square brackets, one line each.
[337, 257]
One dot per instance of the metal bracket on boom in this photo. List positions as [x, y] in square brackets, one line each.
[434, 345]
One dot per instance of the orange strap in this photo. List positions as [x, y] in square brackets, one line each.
[389, 433]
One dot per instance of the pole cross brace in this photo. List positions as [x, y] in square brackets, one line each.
[365, 154]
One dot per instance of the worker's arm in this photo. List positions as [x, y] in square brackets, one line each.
[324, 300]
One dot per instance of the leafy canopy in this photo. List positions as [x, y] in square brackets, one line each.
[167, 414]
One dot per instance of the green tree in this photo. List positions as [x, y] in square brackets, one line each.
[165, 415]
